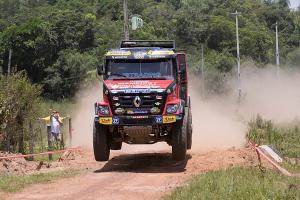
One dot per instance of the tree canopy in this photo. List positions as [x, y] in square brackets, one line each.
[57, 40]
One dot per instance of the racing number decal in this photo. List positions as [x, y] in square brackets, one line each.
[105, 120]
[169, 119]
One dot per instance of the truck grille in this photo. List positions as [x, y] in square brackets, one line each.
[147, 101]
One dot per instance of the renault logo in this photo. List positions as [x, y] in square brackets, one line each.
[137, 101]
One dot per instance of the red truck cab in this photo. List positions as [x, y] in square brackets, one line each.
[145, 99]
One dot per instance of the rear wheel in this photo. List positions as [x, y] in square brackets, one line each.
[179, 141]
[101, 142]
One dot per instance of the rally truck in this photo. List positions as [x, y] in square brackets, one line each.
[145, 99]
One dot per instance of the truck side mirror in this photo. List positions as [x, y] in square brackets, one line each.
[100, 69]
[181, 72]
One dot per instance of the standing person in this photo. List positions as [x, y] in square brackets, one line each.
[56, 123]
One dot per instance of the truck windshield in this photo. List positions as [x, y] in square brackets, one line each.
[137, 69]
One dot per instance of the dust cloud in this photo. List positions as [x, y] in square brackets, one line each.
[219, 122]
[84, 114]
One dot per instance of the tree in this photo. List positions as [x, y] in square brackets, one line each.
[67, 73]
[19, 104]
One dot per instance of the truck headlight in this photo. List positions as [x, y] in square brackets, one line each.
[172, 108]
[103, 110]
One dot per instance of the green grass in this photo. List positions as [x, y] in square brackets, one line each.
[9, 183]
[239, 183]
[64, 107]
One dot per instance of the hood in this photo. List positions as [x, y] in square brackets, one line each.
[137, 84]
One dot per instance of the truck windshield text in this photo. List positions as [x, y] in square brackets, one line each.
[137, 69]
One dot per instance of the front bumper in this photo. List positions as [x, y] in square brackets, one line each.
[144, 120]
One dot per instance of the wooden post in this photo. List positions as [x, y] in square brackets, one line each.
[70, 131]
[31, 142]
[7, 139]
[9, 62]
[41, 137]
[62, 141]
[49, 141]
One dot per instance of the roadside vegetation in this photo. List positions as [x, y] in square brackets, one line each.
[239, 183]
[252, 182]
[283, 139]
[13, 183]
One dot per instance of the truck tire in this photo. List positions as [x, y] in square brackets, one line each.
[116, 146]
[179, 141]
[101, 142]
[189, 129]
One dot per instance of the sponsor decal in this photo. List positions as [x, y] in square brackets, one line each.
[139, 54]
[130, 112]
[118, 53]
[157, 103]
[137, 84]
[169, 119]
[119, 57]
[140, 111]
[159, 120]
[116, 120]
[157, 56]
[136, 91]
[139, 117]
[160, 52]
[105, 120]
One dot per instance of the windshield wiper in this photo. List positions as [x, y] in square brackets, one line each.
[153, 78]
[117, 74]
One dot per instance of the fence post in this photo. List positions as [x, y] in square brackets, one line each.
[31, 142]
[41, 137]
[49, 141]
[70, 131]
[62, 141]
[7, 139]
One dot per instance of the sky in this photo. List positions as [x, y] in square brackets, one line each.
[295, 3]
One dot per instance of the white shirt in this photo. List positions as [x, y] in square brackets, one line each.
[55, 125]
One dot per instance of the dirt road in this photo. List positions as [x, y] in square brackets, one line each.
[138, 175]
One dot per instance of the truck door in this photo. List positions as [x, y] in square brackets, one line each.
[183, 84]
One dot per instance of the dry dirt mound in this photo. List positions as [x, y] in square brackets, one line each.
[21, 166]
[17, 166]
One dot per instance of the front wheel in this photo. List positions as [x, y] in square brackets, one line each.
[179, 141]
[189, 129]
[101, 142]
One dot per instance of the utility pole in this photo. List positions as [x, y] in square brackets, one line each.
[126, 29]
[202, 68]
[277, 50]
[236, 14]
[9, 62]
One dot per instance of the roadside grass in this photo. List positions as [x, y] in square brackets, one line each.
[13, 183]
[286, 140]
[45, 158]
[239, 183]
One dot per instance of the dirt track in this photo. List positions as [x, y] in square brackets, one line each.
[138, 175]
